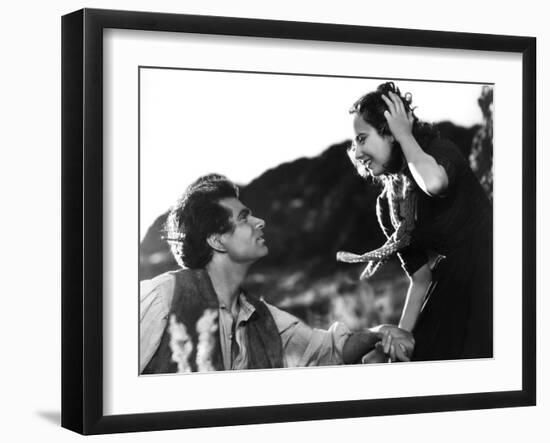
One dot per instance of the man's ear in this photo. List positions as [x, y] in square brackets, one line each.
[215, 242]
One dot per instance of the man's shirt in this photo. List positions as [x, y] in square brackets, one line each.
[302, 345]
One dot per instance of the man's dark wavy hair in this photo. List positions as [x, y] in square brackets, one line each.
[196, 215]
[371, 108]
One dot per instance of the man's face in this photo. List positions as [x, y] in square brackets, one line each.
[246, 243]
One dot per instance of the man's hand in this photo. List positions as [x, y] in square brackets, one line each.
[375, 356]
[397, 344]
[382, 343]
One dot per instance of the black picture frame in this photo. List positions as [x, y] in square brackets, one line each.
[82, 220]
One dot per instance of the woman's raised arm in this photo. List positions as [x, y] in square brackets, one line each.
[427, 173]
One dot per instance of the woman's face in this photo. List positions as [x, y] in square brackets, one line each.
[371, 150]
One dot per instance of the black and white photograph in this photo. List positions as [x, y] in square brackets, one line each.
[287, 221]
[276, 221]
[290, 220]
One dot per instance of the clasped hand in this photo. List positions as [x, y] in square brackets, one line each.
[396, 344]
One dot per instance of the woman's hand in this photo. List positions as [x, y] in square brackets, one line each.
[427, 173]
[399, 121]
[386, 352]
[397, 343]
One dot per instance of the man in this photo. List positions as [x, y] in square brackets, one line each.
[199, 318]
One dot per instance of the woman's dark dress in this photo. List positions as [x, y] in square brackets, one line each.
[456, 320]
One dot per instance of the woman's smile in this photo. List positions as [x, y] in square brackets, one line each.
[372, 150]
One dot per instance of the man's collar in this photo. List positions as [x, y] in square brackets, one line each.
[245, 309]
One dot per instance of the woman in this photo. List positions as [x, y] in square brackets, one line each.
[437, 219]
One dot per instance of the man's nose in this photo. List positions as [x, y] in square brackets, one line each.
[260, 223]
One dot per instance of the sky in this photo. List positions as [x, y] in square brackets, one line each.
[241, 124]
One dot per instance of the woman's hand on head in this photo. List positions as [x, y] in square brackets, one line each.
[430, 176]
[399, 121]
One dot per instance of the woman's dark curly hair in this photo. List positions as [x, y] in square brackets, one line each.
[196, 215]
[371, 108]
